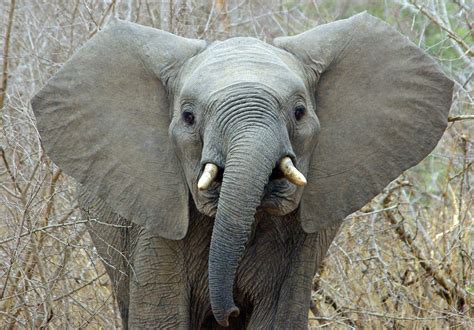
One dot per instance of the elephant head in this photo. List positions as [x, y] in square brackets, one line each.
[148, 121]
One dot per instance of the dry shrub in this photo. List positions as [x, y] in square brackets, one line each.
[405, 260]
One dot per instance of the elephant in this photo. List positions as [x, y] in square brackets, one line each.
[216, 175]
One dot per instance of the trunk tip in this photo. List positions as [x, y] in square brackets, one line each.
[223, 317]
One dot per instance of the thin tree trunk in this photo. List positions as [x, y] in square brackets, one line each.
[6, 50]
[221, 10]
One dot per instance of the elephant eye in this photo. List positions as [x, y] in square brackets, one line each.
[300, 111]
[188, 117]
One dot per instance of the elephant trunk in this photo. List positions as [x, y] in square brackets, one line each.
[250, 160]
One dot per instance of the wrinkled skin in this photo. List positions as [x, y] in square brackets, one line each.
[137, 114]
[246, 116]
[243, 122]
[164, 284]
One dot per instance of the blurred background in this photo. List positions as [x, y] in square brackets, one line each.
[403, 261]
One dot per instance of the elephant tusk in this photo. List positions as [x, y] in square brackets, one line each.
[207, 176]
[291, 173]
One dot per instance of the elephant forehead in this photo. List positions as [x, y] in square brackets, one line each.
[242, 60]
[241, 50]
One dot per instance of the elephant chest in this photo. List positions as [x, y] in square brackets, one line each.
[277, 261]
[269, 250]
[159, 281]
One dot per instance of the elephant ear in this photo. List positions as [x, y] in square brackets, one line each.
[104, 117]
[382, 103]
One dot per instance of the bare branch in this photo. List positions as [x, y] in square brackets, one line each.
[460, 117]
[6, 53]
[443, 27]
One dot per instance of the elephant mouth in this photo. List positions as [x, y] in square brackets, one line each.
[279, 196]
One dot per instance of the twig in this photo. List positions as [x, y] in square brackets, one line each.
[452, 119]
[404, 234]
[6, 50]
[79, 288]
[106, 13]
[10, 173]
[450, 33]
[39, 229]
[73, 25]
[50, 200]
[12, 317]
[328, 300]
[151, 14]
[388, 316]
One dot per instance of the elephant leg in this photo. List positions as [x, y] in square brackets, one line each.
[295, 294]
[158, 287]
[109, 233]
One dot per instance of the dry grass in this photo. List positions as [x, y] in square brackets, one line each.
[405, 260]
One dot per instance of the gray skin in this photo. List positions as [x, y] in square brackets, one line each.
[161, 283]
[136, 114]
